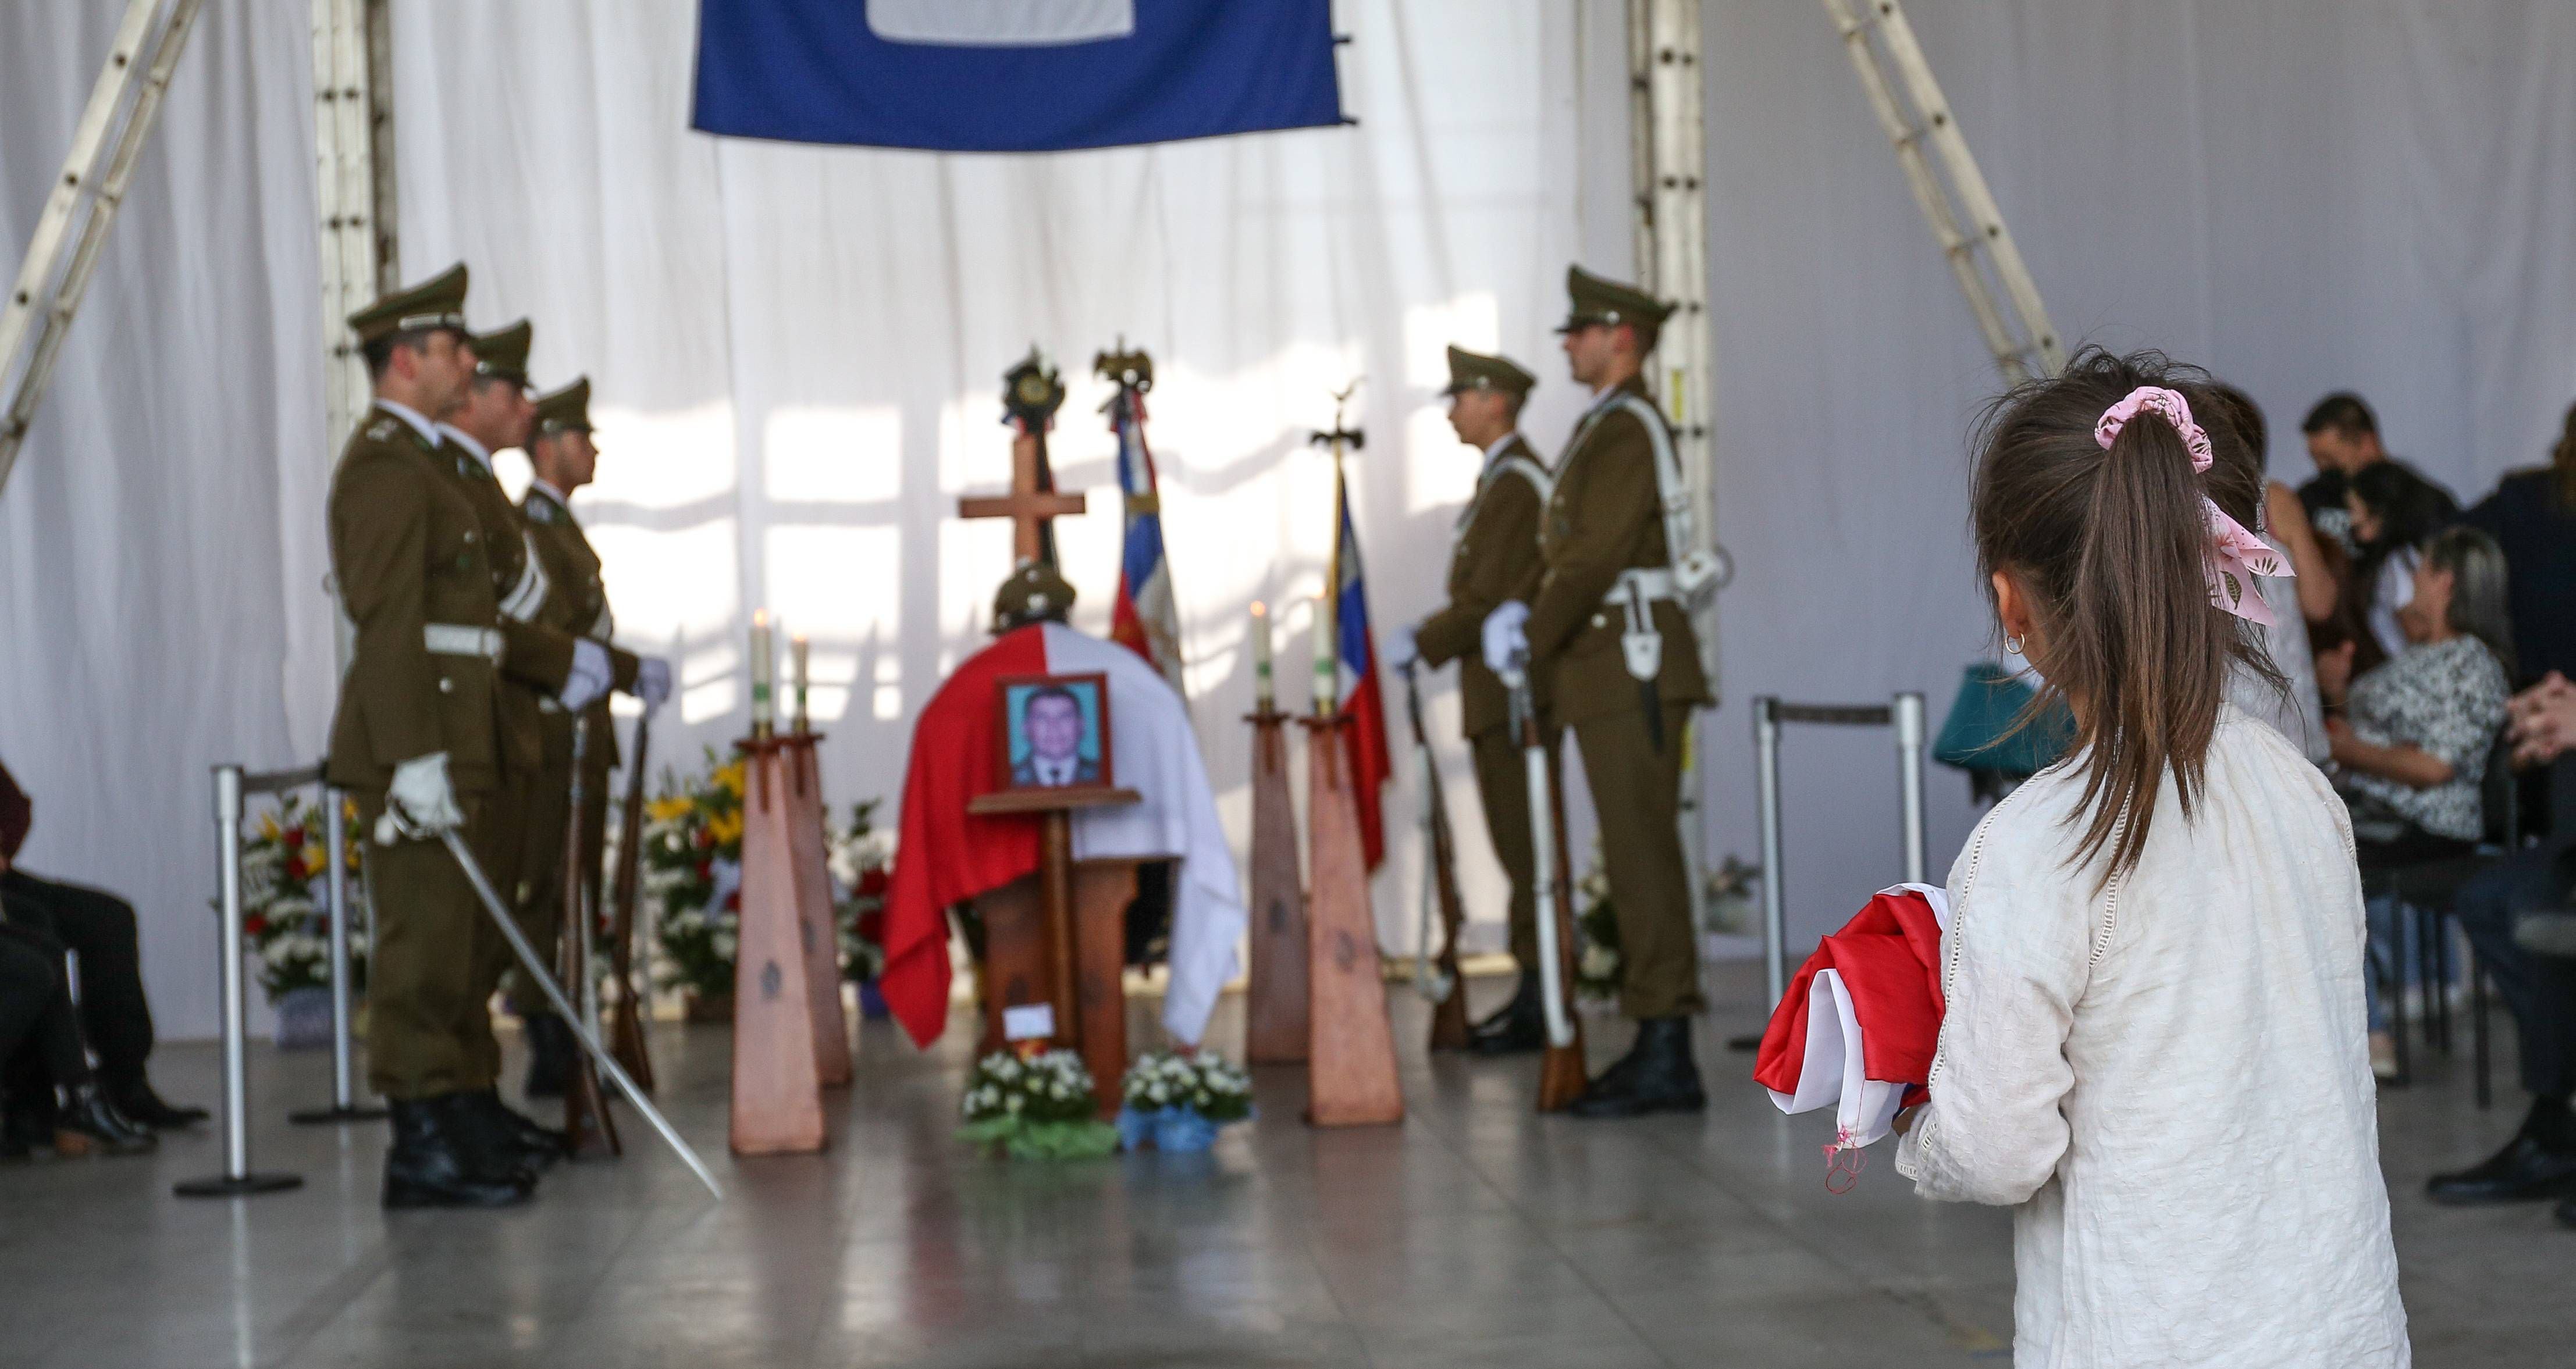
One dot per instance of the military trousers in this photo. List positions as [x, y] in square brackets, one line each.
[1502, 782]
[501, 839]
[541, 866]
[429, 1023]
[1636, 793]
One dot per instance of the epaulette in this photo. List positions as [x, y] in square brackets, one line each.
[383, 428]
[540, 510]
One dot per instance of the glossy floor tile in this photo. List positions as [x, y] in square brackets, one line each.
[1474, 1234]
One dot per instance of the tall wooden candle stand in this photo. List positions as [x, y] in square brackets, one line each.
[1275, 1006]
[777, 1079]
[815, 915]
[1350, 1048]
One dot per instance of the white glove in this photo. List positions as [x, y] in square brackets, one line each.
[420, 802]
[1506, 636]
[590, 677]
[1402, 652]
[652, 681]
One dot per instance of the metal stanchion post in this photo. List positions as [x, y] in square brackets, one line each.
[1775, 917]
[344, 1086]
[237, 1178]
[1909, 773]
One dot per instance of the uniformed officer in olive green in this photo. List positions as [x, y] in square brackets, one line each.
[416, 741]
[1608, 605]
[541, 665]
[1494, 560]
[563, 458]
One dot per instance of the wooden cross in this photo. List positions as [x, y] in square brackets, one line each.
[1027, 506]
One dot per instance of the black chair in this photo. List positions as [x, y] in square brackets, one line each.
[2427, 888]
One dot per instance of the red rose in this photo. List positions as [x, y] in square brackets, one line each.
[254, 924]
[733, 901]
[874, 881]
[871, 928]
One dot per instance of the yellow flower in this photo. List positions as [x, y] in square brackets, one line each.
[730, 779]
[669, 809]
[268, 828]
[725, 828]
[314, 859]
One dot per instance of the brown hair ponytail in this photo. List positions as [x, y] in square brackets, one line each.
[2110, 546]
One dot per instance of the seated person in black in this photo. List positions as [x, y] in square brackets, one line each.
[2343, 439]
[100, 927]
[2515, 913]
[37, 1024]
[2532, 515]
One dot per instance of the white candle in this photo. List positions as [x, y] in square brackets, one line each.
[764, 667]
[1263, 696]
[796, 652]
[1328, 661]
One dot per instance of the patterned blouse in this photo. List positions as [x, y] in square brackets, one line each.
[2446, 699]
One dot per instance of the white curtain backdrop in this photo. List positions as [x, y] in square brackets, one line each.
[796, 354]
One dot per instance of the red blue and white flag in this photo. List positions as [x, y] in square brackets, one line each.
[1360, 699]
[1144, 618]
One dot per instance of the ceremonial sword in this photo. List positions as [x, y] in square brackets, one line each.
[529, 961]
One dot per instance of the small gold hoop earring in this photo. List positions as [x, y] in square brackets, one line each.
[2013, 645]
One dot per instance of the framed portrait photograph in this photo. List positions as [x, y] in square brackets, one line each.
[1055, 732]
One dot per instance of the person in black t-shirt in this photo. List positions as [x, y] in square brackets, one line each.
[2343, 438]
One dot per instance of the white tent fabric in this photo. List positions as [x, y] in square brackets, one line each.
[797, 352]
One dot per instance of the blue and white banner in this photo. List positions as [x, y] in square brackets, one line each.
[1012, 75]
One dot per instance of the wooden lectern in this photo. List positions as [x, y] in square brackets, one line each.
[1055, 942]
[777, 1075]
[1275, 1004]
[815, 914]
[1350, 1047]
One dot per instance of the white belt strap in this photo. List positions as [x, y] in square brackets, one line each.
[1651, 583]
[529, 595]
[603, 627]
[457, 639]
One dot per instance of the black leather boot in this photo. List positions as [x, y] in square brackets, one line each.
[433, 1162]
[90, 1124]
[140, 1104]
[2539, 1162]
[550, 1056]
[1519, 1027]
[516, 1134]
[1657, 1075]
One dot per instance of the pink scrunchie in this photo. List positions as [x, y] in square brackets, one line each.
[2235, 556]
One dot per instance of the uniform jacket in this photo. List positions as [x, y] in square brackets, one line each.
[576, 604]
[1496, 560]
[536, 658]
[1605, 516]
[408, 551]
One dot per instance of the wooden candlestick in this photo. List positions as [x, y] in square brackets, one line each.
[1350, 1050]
[1275, 1006]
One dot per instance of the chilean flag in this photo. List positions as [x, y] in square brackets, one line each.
[1857, 1029]
[1144, 617]
[1360, 699]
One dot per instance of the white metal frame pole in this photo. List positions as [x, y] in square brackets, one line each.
[353, 190]
[72, 230]
[1985, 246]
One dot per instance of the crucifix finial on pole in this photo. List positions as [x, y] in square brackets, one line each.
[1030, 394]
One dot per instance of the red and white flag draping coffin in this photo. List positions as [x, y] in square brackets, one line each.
[947, 855]
[1858, 1026]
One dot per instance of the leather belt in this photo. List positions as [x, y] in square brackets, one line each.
[458, 639]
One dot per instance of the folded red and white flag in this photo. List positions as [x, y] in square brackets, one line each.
[1859, 1023]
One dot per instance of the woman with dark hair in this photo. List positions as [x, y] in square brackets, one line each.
[2393, 511]
[2293, 707]
[2532, 515]
[2412, 748]
[2152, 967]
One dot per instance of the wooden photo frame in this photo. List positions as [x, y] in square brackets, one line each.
[1039, 761]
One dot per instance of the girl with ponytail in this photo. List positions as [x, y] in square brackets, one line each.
[2153, 1046]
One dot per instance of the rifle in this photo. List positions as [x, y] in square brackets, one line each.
[1437, 979]
[588, 1129]
[1560, 1076]
[626, 1020]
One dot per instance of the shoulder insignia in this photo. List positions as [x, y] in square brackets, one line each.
[539, 511]
[382, 429]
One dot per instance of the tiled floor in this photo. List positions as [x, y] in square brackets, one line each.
[1475, 1234]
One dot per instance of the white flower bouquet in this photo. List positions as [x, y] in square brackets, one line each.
[1178, 1101]
[1044, 1107]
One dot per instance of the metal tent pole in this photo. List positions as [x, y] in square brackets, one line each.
[1908, 717]
[344, 1085]
[72, 230]
[1982, 255]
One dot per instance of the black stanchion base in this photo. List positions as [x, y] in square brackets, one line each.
[318, 1117]
[1744, 1043]
[222, 1186]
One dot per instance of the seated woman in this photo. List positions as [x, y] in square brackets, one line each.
[2411, 748]
[2394, 511]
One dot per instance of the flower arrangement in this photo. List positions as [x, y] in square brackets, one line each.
[693, 873]
[1178, 1101]
[283, 899]
[1045, 1107]
[861, 858]
[1596, 933]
